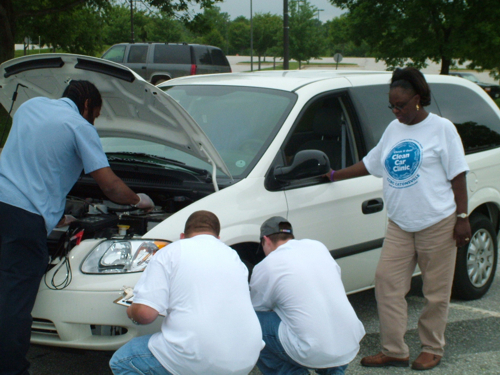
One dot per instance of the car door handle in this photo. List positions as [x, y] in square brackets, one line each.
[373, 205]
[143, 67]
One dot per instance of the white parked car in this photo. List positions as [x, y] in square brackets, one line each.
[246, 147]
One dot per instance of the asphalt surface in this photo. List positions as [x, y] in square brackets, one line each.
[472, 335]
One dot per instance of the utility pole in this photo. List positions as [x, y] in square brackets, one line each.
[285, 35]
[251, 37]
[131, 21]
[319, 10]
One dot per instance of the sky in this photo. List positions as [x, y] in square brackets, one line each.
[237, 8]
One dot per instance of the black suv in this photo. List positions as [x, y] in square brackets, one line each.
[159, 62]
[491, 89]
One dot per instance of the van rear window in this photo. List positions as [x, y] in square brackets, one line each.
[476, 122]
[202, 55]
[171, 54]
[218, 57]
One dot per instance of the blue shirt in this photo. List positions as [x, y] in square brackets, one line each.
[48, 146]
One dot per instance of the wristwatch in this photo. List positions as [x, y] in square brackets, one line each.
[462, 216]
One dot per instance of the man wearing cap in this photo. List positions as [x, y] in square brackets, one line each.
[307, 321]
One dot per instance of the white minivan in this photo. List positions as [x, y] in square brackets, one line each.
[246, 147]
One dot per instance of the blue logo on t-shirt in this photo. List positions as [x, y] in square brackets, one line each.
[402, 164]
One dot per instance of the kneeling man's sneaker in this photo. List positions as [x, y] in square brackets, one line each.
[382, 360]
[426, 361]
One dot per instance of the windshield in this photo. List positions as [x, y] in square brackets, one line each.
[241, 122]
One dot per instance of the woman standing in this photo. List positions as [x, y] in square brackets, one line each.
[421, 159]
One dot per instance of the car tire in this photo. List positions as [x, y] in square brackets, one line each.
[476, 262]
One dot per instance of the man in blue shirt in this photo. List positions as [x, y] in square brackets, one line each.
[50, 142]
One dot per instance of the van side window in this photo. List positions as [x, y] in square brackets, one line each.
[371, 105]
[171, 54]
[476, 122]
[115, 54]
[324, 126]
[137, 54]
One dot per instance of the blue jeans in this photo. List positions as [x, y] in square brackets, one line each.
[273, 359]
[135, 358]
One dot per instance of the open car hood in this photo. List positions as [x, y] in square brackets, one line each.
[131, 107]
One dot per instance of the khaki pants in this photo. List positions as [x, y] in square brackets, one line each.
[434, 250]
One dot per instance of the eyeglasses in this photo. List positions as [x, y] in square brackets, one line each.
[392, 107]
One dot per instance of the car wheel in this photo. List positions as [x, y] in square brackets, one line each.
[476, 262]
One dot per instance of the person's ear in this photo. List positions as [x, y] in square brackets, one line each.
[183, 236]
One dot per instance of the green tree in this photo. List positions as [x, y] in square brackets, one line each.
[211, 27]
[266, 33]
[117, 25]
[410, 32]
[14, 13]
[75, 31]
[239, 36]
[306, 41]
[339, 38]
[163, 28]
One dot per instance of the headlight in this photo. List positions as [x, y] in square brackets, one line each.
[121, 256]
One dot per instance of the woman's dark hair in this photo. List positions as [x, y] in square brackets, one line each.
[80, 91]
[412, 79]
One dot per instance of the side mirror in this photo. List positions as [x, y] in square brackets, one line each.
[306, 164]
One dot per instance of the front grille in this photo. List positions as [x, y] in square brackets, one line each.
[44, 327]
[104, 330]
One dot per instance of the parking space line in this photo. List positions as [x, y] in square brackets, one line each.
[475, 309]
[457, 306]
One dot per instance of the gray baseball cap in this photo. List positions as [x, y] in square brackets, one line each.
[272, 226]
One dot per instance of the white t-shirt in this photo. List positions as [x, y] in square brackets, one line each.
[300, 281]
[210, 325]
[418, 163]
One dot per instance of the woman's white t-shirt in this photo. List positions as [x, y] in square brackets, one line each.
[417, 163]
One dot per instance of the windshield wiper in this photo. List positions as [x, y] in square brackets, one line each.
[155, 157]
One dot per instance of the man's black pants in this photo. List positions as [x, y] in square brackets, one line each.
[23, 261]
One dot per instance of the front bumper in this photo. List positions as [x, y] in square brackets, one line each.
[85, 320]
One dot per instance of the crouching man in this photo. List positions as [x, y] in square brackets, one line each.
[307, 321]
[202, 287]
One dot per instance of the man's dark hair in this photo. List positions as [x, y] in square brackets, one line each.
[412, 79]
[277, 237]
[80, 91]
[202, 221]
